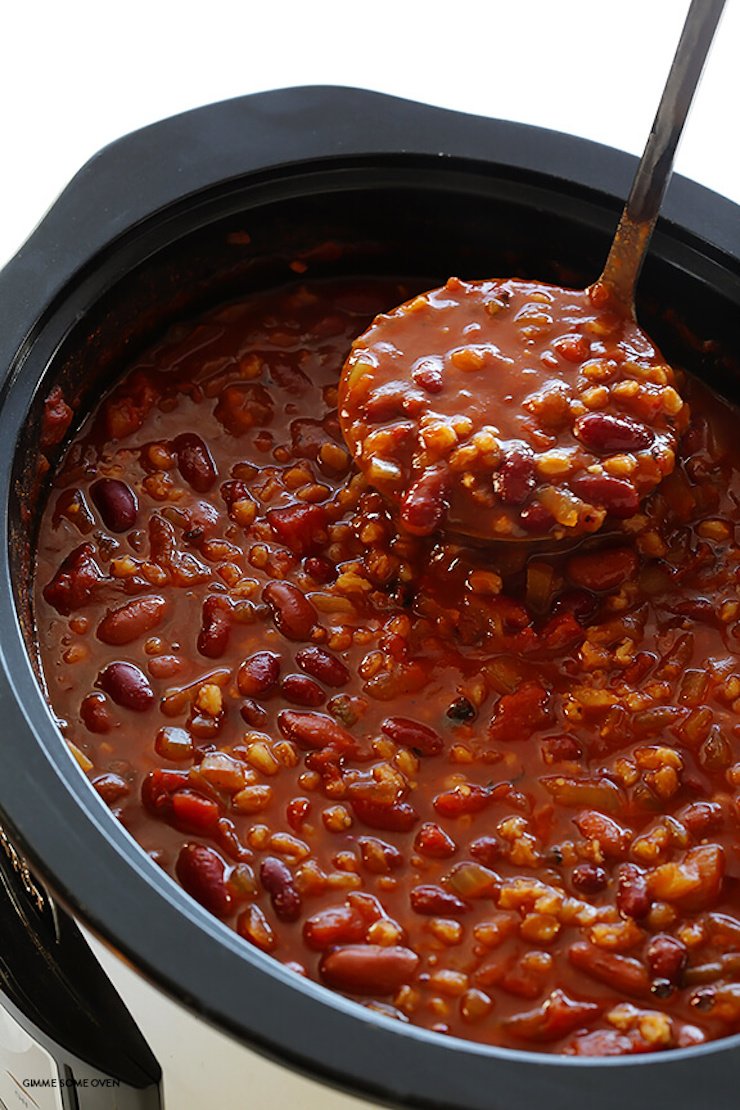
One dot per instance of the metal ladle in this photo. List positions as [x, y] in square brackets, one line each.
[617, 284]
[632, 238]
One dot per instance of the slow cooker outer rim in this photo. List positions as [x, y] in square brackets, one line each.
[330, 1055]
[206, 145]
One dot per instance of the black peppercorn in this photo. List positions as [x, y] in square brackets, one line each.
[661, 988]
[461, 710]
[703, 1000]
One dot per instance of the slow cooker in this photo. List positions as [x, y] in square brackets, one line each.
[159, 224]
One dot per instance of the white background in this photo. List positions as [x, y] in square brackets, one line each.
[76, 74]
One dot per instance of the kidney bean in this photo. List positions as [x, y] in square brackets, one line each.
[666, 957]
[425, 502]
[427, 373]
[517, 715]
[486, 850]
[297, 811]
[215, 626]
[322, 665]
[165, 794]
[622, 973]
[589, 878]
[368, 968]
[277, 879]
[535, 518]
[602, 570]
[573, 347]
[560, 749]
[562, 630]
[702, 818]
[227, 838]
[116, 502]
[581, 603]
[202, 873]
[464, 799]
[432, 841]
[164, 666]
[259, 674]
[556, 1017]
[302, 690]
[614, 839]
[412, 734]
[203, 519]
[253, 713]
[96, 714]
[698, 609]
[72, 506]
[378, 857]
[111, 787]
[314, 730]
[127, 686]
[235, 490]
[633, 898]
[195, 461]
[433, 901]
[520, 979]
[515, 478]
[616, 495]
[292, 612]
[609, 434]
[158, 788]
[253, 926]
[183, 568]
[394, 817]
[677, 658]
[307, 437]
[336, 925]
[321, 570]
[301, 528]
[74, 583]
[128, 622]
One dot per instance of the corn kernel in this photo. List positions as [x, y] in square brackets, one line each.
[261, 758]
[252, 799]
[336, 819]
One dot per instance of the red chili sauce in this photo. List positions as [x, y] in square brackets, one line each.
[491, 792]
[510, 409]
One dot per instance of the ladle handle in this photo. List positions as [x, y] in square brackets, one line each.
[628, 250]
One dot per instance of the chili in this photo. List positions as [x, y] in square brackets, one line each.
[510, 409]
[495, 793]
